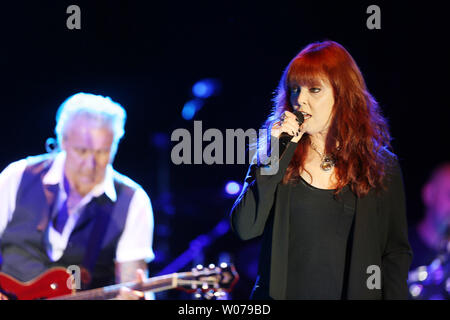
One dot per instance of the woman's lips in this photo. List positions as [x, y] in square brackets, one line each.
[306, 115]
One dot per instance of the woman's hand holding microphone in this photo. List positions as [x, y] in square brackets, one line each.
[289, 123]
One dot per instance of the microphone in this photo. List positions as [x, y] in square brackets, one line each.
[286, 137]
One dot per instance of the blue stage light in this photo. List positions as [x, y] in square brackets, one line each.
[190, 108]
[161, 140]
[232, 188]
[205, 88]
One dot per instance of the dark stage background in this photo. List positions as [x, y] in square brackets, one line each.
[147, 55]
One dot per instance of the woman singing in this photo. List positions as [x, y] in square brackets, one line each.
[333, 217]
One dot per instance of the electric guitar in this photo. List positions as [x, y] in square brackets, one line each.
[57, 284]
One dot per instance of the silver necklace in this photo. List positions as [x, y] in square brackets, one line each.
[327, 160]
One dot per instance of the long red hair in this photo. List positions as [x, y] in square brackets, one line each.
[358, 136]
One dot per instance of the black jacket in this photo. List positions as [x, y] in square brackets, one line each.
[380, 236]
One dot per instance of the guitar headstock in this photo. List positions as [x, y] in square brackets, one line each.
[210, 278]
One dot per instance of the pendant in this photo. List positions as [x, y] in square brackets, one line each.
[327, 163]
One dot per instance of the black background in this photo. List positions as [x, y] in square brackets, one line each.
[146, 55]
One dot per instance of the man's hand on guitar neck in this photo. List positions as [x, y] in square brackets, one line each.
[4, 295]
[128, 294]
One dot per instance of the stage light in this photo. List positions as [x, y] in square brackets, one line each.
[415, 290]
[160, 140]
[232, 188]
[221, 228]
[423, 274]
[206, 88]
[190, 108]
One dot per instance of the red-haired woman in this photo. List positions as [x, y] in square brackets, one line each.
[332, 219]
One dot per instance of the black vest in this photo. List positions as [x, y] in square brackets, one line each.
[92, 243]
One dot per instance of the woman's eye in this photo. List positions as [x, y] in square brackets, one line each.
[314, 90]
[295, 90]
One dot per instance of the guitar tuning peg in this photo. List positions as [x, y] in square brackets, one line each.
[211, 266]
[197, 295]
[209, 295]
[223, 265]
[219, 294]
[199, 267]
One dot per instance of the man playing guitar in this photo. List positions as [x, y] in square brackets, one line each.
[70, 207]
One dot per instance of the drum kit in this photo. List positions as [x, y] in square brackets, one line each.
[432, 282]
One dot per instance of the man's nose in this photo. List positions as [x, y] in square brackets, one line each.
[91, 161]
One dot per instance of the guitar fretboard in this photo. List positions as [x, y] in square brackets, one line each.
[154, 284]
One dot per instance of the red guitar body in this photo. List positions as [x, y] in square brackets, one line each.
[56, 283]
[52, 283]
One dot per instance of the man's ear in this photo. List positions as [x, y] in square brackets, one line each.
[427, 194]
[62, 146]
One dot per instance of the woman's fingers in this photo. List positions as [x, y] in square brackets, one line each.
[287, 123]
[297, 137]
[290, 124]
[289, 128]
[289, 114]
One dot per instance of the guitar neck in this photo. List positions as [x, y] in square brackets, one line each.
[155, 284]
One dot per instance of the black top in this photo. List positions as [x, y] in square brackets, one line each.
[313, 260]
[380, 234]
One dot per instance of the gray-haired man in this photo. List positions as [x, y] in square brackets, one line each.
[70, 207]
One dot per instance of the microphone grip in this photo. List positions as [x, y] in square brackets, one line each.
[285, 138]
